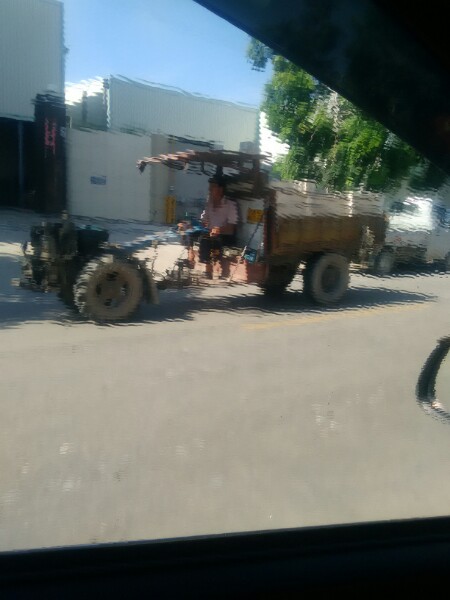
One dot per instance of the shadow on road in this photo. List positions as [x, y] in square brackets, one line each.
[19, 306]
[292, 302]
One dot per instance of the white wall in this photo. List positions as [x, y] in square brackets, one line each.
[118, 190]
[31, 54]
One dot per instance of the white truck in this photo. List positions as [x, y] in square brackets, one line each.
[418, 233]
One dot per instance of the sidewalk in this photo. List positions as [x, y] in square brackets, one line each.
[15, 229]
[16, 223]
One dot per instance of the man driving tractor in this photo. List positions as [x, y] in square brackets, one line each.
[220, 218]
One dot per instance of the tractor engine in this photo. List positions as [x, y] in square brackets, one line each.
[56, 252]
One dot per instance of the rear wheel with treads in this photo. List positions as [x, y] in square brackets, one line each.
[326, 278]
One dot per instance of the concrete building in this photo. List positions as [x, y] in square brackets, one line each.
[115, 121]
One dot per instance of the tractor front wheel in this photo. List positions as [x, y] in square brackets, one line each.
[108, 289]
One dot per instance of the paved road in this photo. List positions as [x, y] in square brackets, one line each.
[218, 411]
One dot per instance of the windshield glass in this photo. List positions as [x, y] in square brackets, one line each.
[206, 322]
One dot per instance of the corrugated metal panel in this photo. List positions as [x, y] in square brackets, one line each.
[86, 103]
[31, 54]
[136, 106]
[103, 180]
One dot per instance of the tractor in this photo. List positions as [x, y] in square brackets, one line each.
[283, 230]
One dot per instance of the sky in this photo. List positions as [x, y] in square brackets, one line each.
[171, 42]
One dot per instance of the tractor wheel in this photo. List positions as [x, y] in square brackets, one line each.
[326, 278]
[108, 290]
[278, 278]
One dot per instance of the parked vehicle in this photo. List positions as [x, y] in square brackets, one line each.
[281, 229]
[418, 234]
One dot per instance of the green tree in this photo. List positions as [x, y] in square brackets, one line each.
[331, 140]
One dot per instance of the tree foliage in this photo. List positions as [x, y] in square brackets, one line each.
[332, 141]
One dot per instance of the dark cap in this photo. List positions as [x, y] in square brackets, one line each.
[218, 180]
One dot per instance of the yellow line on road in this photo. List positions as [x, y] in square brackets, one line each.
[329, 316]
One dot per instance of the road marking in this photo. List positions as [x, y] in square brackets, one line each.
[318, 318]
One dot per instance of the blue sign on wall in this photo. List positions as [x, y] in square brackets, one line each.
[98, 180]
